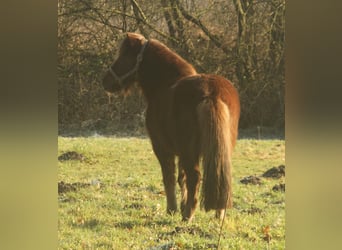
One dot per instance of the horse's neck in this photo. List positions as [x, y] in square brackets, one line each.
[160, 69]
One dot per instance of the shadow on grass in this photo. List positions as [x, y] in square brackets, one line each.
[147, 223]
[174, 245]
[192, 230]
[88, 224]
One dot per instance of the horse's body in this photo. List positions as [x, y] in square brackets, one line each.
[188, 115]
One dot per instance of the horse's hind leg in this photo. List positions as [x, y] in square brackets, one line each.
[220, 214]
[182, 185]
[193, 176]
[168, 167]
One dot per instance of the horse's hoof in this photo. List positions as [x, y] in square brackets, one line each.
[171, 211]
[219, 214]
[187, 218]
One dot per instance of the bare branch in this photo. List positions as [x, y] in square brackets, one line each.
[168, 18]
[139, 14]
[198, 22]
[135, 5]
[144, 20]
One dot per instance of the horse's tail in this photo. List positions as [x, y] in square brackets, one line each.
[216, 148]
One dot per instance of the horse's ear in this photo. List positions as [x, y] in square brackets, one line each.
[129, 34]
[135, 36]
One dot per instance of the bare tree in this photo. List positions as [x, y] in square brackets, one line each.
[242, 40]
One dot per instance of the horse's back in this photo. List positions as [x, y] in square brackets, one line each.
[195, 88]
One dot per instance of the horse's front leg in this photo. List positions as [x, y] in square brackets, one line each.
[167, 163]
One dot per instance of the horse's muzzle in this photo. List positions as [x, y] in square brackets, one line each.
[109, 85]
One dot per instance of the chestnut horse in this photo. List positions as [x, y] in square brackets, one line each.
[188, 115]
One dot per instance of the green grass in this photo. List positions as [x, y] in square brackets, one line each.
[127, 209]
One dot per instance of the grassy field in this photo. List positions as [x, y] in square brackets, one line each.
[113, 198]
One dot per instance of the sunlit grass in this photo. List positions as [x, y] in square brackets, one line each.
[124, 205]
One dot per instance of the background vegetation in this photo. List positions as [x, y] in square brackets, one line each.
[242, 40]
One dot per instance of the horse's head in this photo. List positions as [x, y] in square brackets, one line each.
[122, 73]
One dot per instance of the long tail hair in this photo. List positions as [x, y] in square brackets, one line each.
[216, 148]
